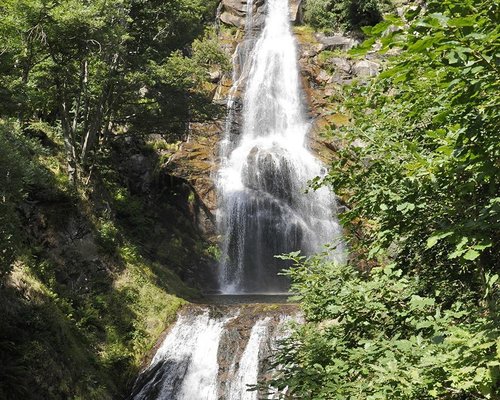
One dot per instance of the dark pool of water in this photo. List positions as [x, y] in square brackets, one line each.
[246, 298]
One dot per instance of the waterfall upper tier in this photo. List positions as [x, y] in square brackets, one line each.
[265, 208]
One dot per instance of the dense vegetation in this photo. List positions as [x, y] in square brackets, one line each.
[91, 67]
[341, 15]
[420, 173]
[90, 259]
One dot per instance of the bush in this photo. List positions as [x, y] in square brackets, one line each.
[373, 336]
[17, 171]
[332, 15]
[419, 169]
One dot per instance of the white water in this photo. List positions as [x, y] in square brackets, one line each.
[263, 211]
[202, 357]
[263, 207]
[247, 373]
[187, 361]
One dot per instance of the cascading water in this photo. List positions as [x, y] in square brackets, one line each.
[215, 352]
[185, 366]
[247, 366]
[264, 209]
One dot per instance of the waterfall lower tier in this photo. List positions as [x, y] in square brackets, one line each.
[216, 352]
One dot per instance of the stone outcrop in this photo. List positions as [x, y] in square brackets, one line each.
[296, 11]
[335, 42]
[326, 67]
[366, 68]
[233, 12]
[196, 161]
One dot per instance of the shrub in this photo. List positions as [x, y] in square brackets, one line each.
[332, 15]
[373, 336]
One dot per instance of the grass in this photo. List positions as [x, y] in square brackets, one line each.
[90, 294]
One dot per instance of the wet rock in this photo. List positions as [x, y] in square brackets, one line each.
[269, 172]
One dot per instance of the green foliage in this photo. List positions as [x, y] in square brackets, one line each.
[419, 172]
[18, 171]
[373, 336]
[429, 149]
[83, 295]
[90, 67]
[334, 15]
[207, 52]
[12, 179]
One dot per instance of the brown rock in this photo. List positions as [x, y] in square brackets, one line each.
[296, 13]
[232, 19]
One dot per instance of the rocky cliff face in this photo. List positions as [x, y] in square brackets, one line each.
[234, 12]
[325, 66]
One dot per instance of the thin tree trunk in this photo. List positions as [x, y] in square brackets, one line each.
[83, 92]
[68, 137]
[101, 115]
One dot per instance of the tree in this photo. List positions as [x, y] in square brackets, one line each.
[426, 174]
[92, 66]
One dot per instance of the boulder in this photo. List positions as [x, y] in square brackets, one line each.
[365, 68]
[215, 75]
[233, 12]
[340, 64]
[296, 14]
[139, 168]
[232, 19]
[235, 7]
[323, 76]
[336, 42]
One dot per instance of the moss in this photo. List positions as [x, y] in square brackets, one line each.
[305, 34]
[325, 55]
[55, 361]
[91, 348]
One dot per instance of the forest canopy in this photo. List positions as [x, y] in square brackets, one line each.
[92, 68]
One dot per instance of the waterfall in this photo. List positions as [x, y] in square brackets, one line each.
[248, 366]
[214, 353]
[217, 351]
[264, 209]
[185, 366]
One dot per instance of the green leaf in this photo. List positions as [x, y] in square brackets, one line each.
[432, 241]
[461, 22]
[471, 255]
